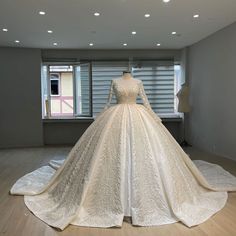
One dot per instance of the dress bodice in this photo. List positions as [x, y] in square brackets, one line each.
[126, 92]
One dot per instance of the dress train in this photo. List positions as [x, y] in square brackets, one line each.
[126, 164]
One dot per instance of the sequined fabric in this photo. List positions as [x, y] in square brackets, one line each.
[126, 164]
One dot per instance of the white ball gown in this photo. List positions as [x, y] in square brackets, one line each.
[126, 164]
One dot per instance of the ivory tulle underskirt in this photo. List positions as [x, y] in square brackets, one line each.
[125, 164]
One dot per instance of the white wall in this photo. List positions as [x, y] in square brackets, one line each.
[20, 101]
[212, 76]
[109, 54]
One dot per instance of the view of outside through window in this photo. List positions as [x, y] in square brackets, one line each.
[66, 90]
[61, 90]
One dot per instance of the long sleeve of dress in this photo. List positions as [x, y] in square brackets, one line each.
[109, 99]
[146, 103]
[109, 96]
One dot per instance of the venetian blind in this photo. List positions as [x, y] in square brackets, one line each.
[157, 76]
[159, 83]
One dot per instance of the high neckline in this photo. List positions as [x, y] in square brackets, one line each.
[127, 77]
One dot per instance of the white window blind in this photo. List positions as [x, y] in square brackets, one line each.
[159, 82]
[102, 74]
[158, 78]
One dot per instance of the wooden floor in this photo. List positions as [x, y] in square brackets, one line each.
[16, 219]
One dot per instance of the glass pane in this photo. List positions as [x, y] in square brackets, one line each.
[158, 81]
[54, 87]
[178, 77]
[82, 91]
[44, 91]
[61, 86]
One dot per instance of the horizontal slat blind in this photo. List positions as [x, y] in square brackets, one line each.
[157, 77]
[158, 81]
[102, 74]
[85, 96]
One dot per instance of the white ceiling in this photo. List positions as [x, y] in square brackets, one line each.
[75, 26]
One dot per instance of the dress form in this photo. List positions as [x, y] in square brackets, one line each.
[183, 96]
[127, 75]
[183, 106]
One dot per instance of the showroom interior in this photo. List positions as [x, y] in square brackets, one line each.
[57, 59]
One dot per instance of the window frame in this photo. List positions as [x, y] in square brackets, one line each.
[59, 84]
[154, 63]
[90, 115]
[73, 64]
[176, 114]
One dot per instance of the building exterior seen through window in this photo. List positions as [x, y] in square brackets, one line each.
[54, 84]
[61, 90]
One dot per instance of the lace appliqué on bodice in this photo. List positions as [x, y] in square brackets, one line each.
[127, 91]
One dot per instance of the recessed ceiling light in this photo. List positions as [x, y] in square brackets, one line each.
[165, 1]
[147, 15]
[42, 13]
[195, 16]
[91, 44]
[173, 33]
[5, 30]
[55, 44]
[134, 32]
[125, 44]
[17, 41]
[97, 14]
[158, 44]
[50, 31]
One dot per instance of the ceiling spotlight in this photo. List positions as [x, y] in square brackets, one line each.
[97, 14]
[147, 15]
[165, 1]
[195, 16]
[173, 33]
[134, 32]
[158, 44]
[91, 44]
[50, 31]
[125, 44]
[55, 44]
[4, 30]
[17, 41]
[42, 13]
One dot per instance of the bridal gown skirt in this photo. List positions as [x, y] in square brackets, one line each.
[125, 164]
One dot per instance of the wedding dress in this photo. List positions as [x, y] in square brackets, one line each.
[125, 164]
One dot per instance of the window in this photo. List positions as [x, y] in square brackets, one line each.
[54, 82]
[102, 73]
[159, 82]
[81, 90]
[177, 81]
[66, 90]
[61, 90]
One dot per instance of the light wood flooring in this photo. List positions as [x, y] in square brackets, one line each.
[17, 220]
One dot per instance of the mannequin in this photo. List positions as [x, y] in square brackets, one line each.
[127, 75]
[183, 106]
[183, 96]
